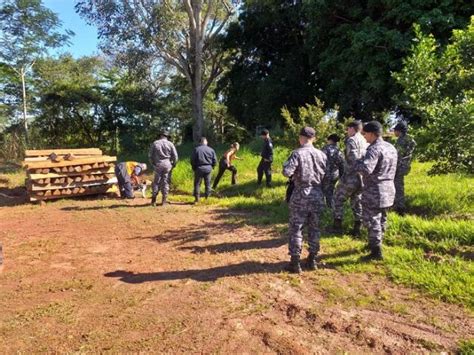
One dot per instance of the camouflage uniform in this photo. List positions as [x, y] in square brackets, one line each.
[334, 169]
[378, 170]
[163, 157]
[405, 146]
[307, 167]
[350, 184]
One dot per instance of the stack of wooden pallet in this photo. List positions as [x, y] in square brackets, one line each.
[60, 173]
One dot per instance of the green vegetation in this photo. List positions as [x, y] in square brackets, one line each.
[430, 248]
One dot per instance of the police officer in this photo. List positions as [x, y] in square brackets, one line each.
[307, 167]
[334, 167]
[203, 160]
[127, 174]
[378, 169]
[405, 146]
[163, 157]
[350, 184]
[265, 165]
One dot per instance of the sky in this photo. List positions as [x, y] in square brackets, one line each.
[85, 40]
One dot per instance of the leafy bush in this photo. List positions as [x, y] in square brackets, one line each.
[313, 115]
[438, 87]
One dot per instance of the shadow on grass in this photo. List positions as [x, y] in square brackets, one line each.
[8, 168]
[12, 197]
[247, 189]
[201, 275]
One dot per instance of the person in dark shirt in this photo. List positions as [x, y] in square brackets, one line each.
[334, 168]
[203, 160]
[265, 165]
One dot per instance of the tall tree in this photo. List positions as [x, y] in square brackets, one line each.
[356, 45]
[340, 51]
[28, 30]
[270, 63]
[181, 34]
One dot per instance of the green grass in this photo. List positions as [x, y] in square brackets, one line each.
[430, 248]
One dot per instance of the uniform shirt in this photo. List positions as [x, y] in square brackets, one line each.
[378, 169]
[163, 149]
[356, 147]
[267, 150]
[203, 155]
[335, 161]
[405, 146]
[306, 165]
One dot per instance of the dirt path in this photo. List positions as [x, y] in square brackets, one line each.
[116, 276]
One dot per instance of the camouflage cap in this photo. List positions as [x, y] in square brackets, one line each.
[373, 127]
[308, 132]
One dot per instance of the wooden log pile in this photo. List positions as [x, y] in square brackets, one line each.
[61, 173]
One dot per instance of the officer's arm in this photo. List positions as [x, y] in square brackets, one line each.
[213, 159]
[290, 166]
[351, 151]
[340, 163]
[174, 155]
[367, 165]
[193, 159]
[150, 154]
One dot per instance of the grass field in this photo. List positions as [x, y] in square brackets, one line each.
[430, 248]
[97, 274]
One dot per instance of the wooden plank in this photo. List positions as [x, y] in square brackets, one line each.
[46, 152]
[56, 175]
[109, 189]
[65, 185]
[81, 161]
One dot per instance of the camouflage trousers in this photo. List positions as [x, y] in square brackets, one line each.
[375, 220]
[399, 182]
[161, 180]
[304, 212]
[348, 188]
[328, 191]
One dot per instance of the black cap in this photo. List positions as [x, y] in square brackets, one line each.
[401, 127]
[165, 133]
[333, 137]
[308, 132]
[373, 127]
[264, 132]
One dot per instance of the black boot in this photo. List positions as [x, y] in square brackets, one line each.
[311, 262]
[337, 226]
[153, 201]
[294, 266]
[164, 201]
[375, 253]
[356, 229]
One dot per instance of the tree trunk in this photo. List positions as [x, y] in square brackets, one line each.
[25, 121]
[198, 115]
[196, 35]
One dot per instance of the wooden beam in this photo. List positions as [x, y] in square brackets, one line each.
[46, 152]
[106, 189]
[55, 175]
[65, 185]
[82, 161]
